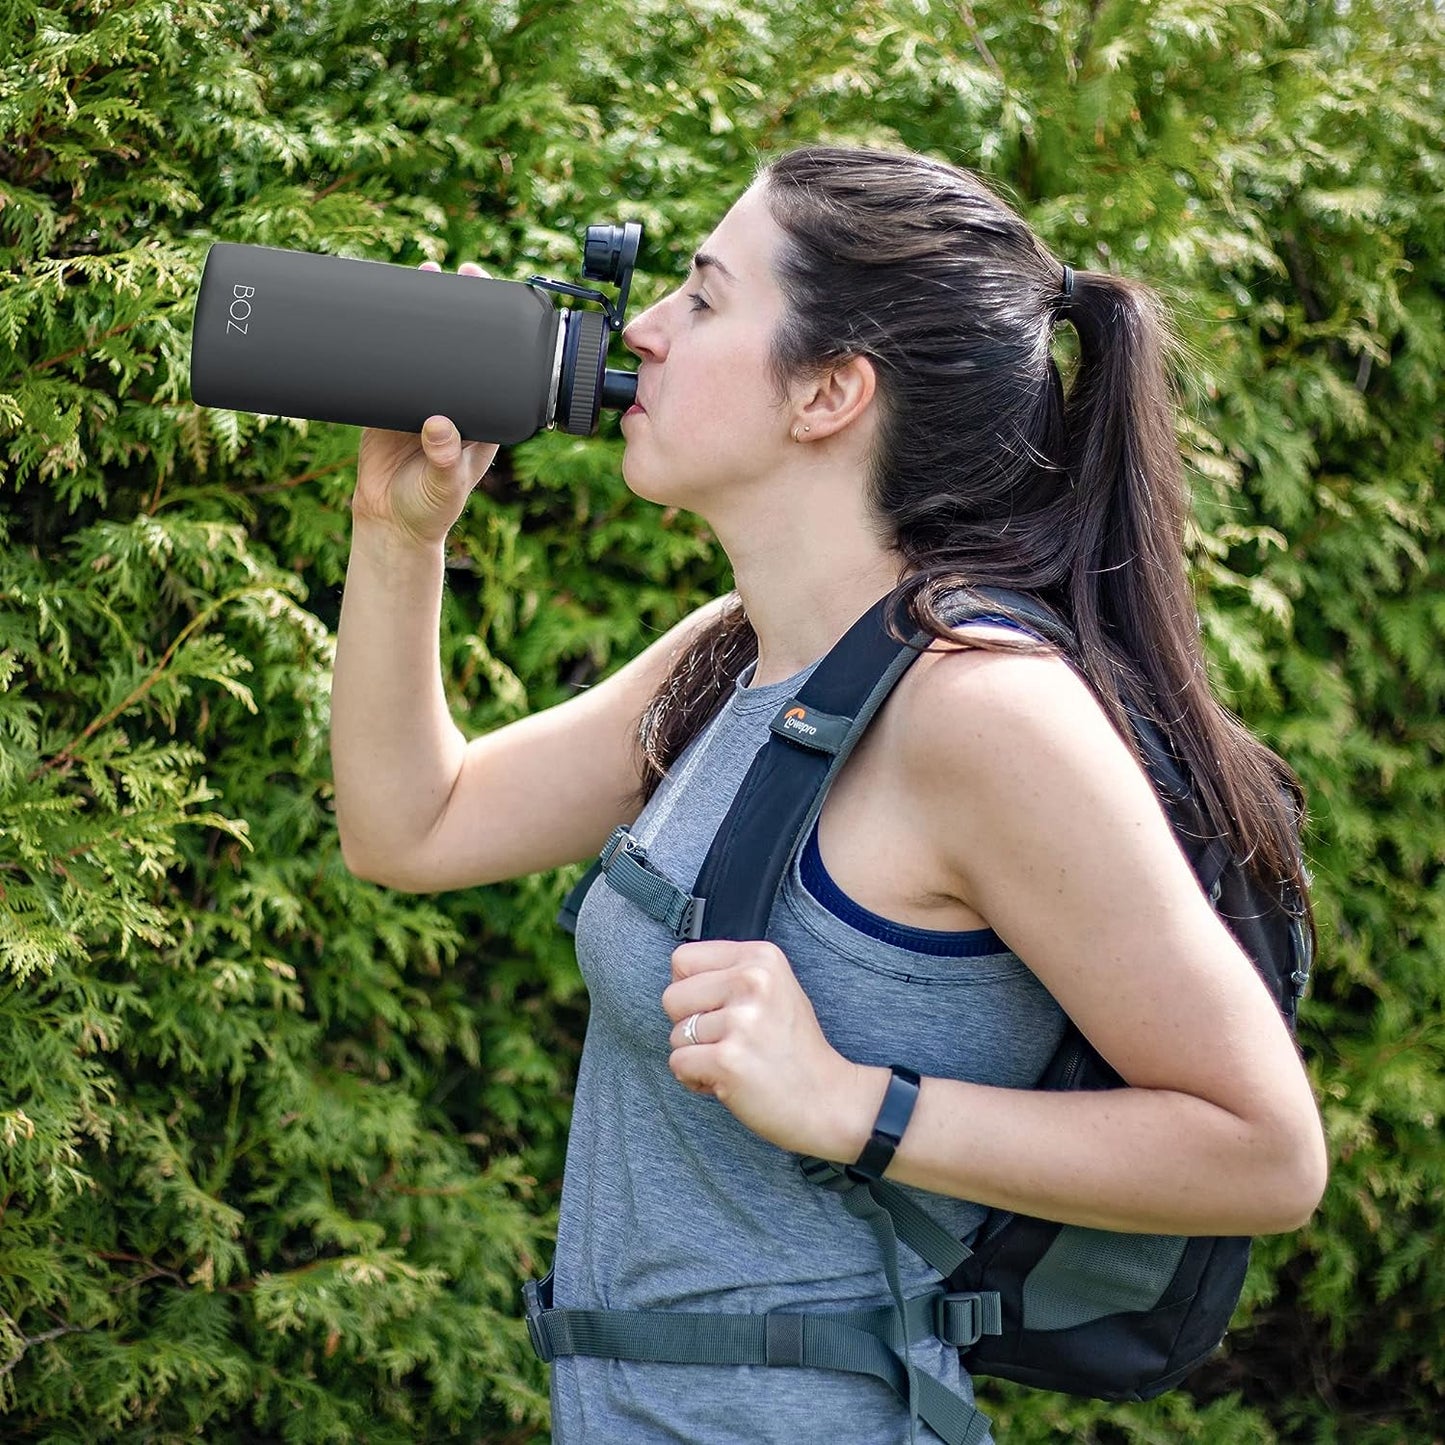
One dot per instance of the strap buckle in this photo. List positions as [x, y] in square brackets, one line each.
[690, 924]
[783, 1339]
[828, 1175]
[629, 871]
[620, 838]
[960, 1319]
[536, 1325]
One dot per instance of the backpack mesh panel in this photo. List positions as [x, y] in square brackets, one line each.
[1086, 1274]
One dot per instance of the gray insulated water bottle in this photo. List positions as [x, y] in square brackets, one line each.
[368, 343]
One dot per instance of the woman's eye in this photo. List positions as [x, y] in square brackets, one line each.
[698, 304]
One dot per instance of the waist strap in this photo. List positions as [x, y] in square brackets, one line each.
[860, 1342]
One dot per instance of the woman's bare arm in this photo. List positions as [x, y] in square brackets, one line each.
[1058, 840]
[421, 808]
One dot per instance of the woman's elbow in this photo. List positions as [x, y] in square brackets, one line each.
[371, 866]
[1301, 1174]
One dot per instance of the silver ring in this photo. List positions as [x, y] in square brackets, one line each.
[689, 1029]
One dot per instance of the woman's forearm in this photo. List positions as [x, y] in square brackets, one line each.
[1136, 1160]
[395, 750]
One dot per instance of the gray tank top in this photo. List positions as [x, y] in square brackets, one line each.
[669, 1203]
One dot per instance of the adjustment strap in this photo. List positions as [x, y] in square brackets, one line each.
[1303, 958]
[938, 1247]
[958, 1318]
[626, 868]
[860, 1203]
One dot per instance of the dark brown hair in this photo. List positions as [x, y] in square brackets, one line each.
[985, 472]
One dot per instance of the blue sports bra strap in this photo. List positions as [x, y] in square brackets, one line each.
[1017, 608]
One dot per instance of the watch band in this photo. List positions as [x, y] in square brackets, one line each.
[892, 1120]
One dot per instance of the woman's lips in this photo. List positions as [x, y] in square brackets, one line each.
[635, 410]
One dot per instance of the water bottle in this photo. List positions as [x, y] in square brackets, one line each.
[369, 343]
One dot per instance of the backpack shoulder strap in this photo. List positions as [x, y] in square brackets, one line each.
[810, 738]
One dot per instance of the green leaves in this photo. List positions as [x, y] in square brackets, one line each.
[277, 1147]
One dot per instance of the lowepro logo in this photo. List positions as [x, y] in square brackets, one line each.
[239, 315]
[796, 718]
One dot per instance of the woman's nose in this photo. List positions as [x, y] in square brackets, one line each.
[643, 335]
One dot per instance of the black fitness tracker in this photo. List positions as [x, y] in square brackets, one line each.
[888, 1127]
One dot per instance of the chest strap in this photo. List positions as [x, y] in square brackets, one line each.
[625, 865]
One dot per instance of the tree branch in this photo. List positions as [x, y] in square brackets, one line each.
[67, 753]
[27, 1341]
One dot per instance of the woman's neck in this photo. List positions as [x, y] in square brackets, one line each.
[799, 611]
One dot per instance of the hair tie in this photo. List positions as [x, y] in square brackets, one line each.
[1066, 294]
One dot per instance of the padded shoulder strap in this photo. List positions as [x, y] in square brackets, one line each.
[1018, 607]
[810, 738]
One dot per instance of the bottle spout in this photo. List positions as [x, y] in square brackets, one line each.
[619, 389]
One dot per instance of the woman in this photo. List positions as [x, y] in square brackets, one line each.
[855, 389]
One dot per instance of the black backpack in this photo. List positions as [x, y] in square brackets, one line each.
[1117, 1316]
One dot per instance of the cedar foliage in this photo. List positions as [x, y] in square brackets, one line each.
[277, 1147]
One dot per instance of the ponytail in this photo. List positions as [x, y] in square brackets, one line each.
[1127, 581]
[1130, 598]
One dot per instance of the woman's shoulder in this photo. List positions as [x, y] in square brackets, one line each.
[996, 688]
[983, 732]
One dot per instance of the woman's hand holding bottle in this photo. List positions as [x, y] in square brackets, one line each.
[418, 484]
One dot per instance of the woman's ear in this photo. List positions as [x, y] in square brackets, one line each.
[831, 402]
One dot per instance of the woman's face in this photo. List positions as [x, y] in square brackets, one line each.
[709, 414]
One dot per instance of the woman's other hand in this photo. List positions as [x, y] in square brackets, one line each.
[756, 1046]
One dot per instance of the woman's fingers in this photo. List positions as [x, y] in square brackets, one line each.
[699, 994]
[441, 442]
[467, 268]
[449, 461]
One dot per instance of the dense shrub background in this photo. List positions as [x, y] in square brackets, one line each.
[278, 1147]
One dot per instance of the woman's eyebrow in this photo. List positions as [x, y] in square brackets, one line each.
[702, 260]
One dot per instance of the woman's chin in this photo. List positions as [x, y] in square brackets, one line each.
[642, 482]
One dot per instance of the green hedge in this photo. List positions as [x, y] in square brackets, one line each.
[277, 1147]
